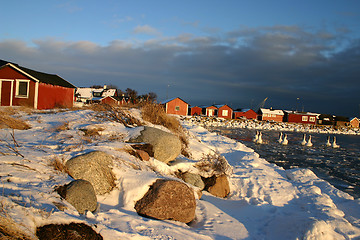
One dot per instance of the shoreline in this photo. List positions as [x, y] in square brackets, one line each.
[208, 122]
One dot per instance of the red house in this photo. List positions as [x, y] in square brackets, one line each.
[195, 111]
[210, 111]
[270, 115]
[300, 117]
[176, 106]
[355, 122]
[224, 111]
[115, 100]
[245, 114]
[21, 86]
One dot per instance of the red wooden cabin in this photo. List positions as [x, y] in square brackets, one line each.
[300, 117]
[195, 111]
[176, 106]
[224, 111]
[21, 86]
[270, 115]
[210, 111]
[245, 114]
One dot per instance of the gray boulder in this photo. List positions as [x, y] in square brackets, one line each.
[94, 167]
[166, 146]
[193, 179]
[81, 194]
[168, 200]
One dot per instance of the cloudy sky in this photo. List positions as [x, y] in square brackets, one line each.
[298, 54]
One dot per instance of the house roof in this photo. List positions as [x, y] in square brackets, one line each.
[171, 99]
[271, 111]
[301, 113]
[39, 76]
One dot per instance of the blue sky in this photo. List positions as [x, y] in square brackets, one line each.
[233, 52]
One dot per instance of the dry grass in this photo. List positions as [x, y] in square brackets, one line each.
[214, 164]
[7, 121]
[116, 114]
[10, 230]
[59, 164]
[62, 127]
[156, 114]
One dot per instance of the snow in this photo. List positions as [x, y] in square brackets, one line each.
[265, 202]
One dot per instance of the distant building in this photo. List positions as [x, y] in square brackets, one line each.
[326, 119]
[210, 111]
[195, 111]
[115, 100]
[224, 111]
[21, 86]
[270, 115]
[94, 95]
[176, 106]
[300, 117]
[245, 114]
[355, 122]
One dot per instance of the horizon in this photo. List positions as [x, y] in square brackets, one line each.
[303, 55]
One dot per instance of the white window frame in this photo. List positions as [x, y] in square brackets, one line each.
[18, 81]
[177, 108]
[312, 119]
[225, 113]
[304, 118]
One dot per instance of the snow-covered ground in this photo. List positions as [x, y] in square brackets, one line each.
[266, 125]
[265, 202]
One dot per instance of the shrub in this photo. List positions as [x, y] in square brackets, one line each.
[7, 121]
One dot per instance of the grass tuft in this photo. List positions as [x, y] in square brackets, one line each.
[7, 121]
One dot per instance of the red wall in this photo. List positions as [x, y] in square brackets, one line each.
[297, 118]
[51, 96]
[196, 111]
[276, 118]
[225, 107]
[251, 114]
[9, 73]
[214, 112]
[110, 101]
[171, 107]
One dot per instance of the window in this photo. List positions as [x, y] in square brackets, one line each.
[304, 118]
[312, 119]
[177, 108]
[225, 113]
[22, 88]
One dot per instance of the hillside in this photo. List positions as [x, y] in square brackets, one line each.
[265, 201]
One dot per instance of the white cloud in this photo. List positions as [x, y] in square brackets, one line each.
[146, 29]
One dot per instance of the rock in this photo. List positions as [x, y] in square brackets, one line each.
[193, 179]
[143, 155]
[166, 146]
[144, 147]
[81, 194]
[94, 167]
[168, 199]
[217, 185]
[72, 231]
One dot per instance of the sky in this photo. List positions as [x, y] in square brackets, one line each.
[300, 55]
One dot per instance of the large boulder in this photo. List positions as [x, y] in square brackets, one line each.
[168, 199]
[94, 167]
[217, 185]
[81, 194]
[166, 146]
[72, 231]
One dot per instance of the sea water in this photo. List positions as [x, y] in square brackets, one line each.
[339, 166]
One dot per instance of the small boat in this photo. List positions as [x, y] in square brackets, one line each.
[309, 143]
[256, 137]
[280, 138]
[260, 141]
[304, 140]
[328, 144]
[285, 140]
[334, 145]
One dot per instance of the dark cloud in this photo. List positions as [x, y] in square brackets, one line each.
[241, 68]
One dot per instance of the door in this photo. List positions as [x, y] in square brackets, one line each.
[6, 91]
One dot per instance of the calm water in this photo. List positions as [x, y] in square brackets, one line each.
[339, 166]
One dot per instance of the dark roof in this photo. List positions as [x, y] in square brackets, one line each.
[42, 77]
